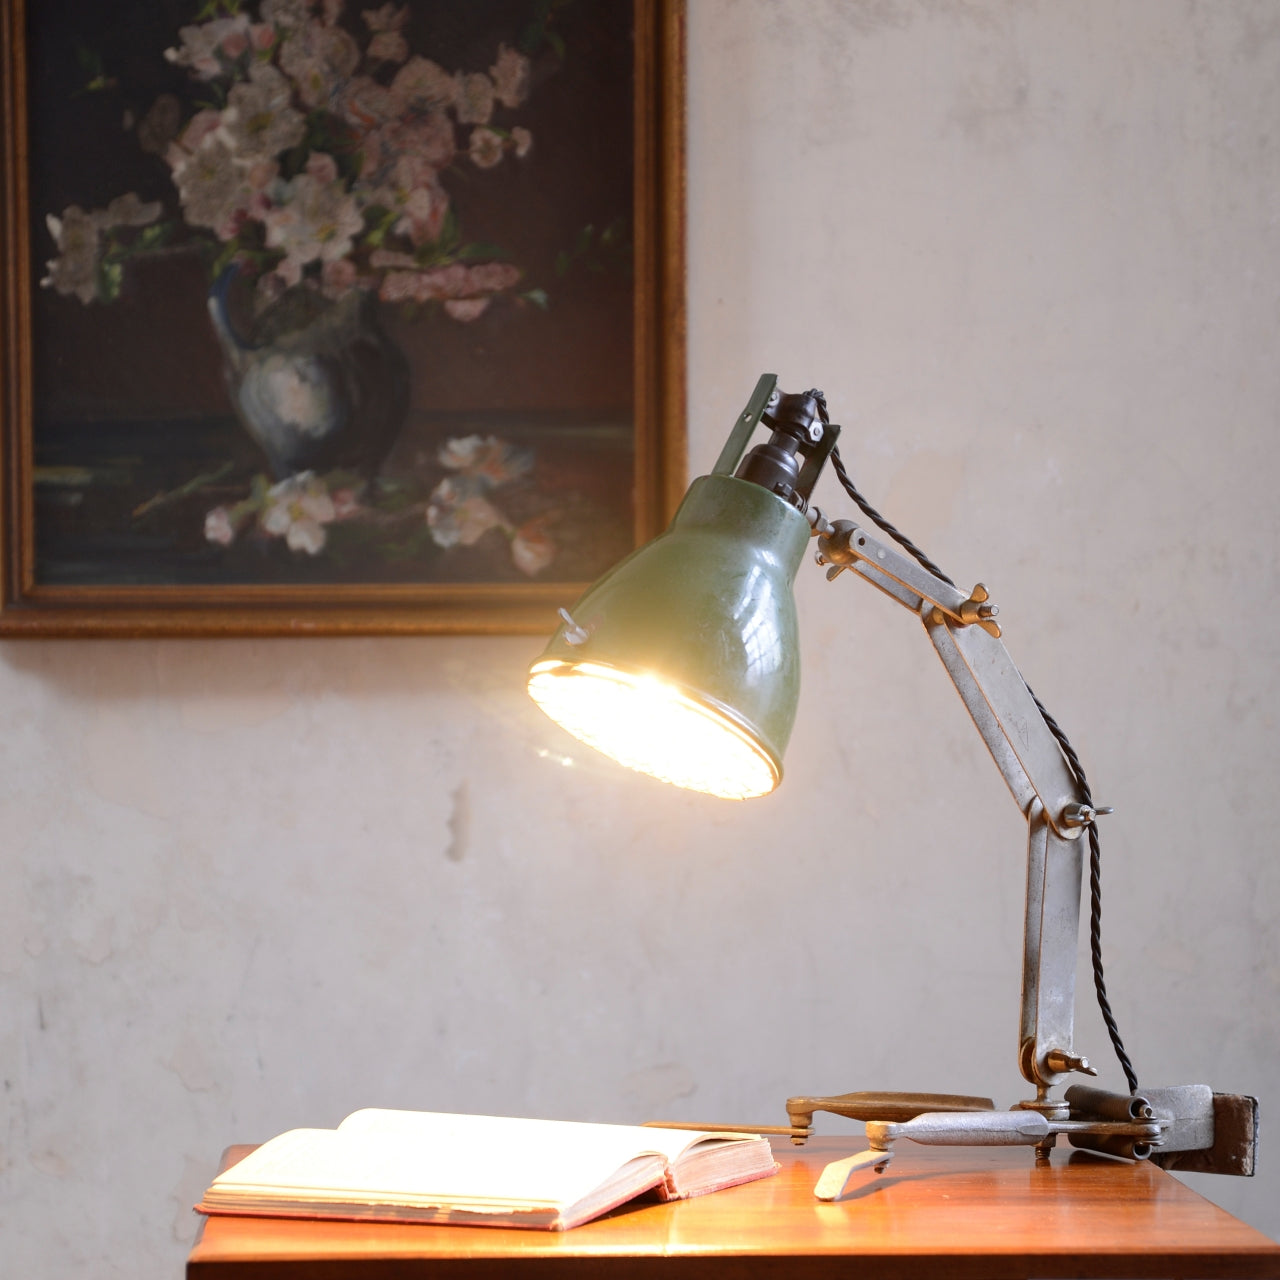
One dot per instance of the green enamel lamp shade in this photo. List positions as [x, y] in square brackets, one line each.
[682, 661]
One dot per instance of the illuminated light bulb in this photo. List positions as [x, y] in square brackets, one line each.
[653, 727]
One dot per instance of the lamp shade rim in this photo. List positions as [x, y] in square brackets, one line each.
[706, 704]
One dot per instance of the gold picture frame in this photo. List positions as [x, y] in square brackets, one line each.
[116, 520]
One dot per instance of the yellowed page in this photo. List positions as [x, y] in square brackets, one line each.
[562, 1148]
[437, 1158]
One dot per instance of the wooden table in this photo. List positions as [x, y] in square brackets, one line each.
[937, 1211]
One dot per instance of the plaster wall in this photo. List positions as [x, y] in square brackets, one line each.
[1031, 252]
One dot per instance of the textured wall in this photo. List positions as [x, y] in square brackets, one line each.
[1030, 251]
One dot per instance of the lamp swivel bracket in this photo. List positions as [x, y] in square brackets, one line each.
[798, 447]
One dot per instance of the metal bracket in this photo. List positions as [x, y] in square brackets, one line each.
[745, 424]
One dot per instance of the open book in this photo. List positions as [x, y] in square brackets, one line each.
[423, 1166]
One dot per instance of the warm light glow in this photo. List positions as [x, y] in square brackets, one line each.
[653, 727]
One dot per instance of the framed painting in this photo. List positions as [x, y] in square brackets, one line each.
[335, 316]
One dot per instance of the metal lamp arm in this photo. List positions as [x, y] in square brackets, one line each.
[964, 632]
[967, 637]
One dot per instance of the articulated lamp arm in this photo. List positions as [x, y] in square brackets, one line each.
[964, 632]
[1183, 1126]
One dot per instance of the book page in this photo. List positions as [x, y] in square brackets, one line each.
[430, 1158]
[567, 1141]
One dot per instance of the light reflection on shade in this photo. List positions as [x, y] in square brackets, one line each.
[654, 728]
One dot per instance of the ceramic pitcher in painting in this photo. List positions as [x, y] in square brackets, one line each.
[318, 384]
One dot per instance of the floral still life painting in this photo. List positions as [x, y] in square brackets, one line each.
[335, 306]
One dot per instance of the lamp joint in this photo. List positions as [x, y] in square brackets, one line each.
[1061, 1062]
[978, 608]
[1083, 815]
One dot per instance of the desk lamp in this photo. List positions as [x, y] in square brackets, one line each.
[683, 662]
